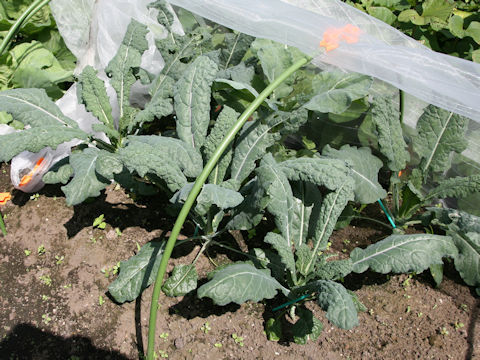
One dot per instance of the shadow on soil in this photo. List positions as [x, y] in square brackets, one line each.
[28, 342]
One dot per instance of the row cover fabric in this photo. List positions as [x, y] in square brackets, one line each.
[381, 51]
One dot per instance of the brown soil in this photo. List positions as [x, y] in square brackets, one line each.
[50, 302]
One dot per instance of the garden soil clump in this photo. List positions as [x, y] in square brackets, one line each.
[55, 269]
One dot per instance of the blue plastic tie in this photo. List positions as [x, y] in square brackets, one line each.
[386, 213]
[291, 302]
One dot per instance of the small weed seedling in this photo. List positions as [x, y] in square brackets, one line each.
[41, 250]
[45, 297]
[164, 336]
[101, 300]
[218, 345]
[458, 325]
[99, 223]
[46, 319]
[206, 327]
[27, 252]
[238, 339]
[47, 280]
[35, 197]
[59, 259]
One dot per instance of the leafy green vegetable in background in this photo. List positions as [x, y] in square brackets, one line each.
[38, 57]
[447, 26]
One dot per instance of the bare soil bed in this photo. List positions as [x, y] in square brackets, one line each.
[54, 303]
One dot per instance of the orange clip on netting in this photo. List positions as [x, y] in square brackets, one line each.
[331, 37]
[4, 197]
[27, 178]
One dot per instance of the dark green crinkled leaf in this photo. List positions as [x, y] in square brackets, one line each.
[108, 164]
[467, 262]
[234, 48]
[165, 16]
[252, 145]
[466, 222]
[332, 206]
[222, 125]
[111, 133]
[160, 105]
[61, 172]
[307, 327]
[183, 280]
[335, 91]
[385, 116]
[137, 273]
[278, 189]
[337, 302]
[364, 167]
[212, 194]
[175, 150]
[121, 68]
[307, 200]
[403, 253]
[318, 170]
[439, 133]
[304, 255]
[250, 212]
[86, 182]
[239, 283]
[457, 187]
[33, 107]
[35, 139]
[93, 94]
[284, 250]
[333, 270]
[192, 101]
[143, 158]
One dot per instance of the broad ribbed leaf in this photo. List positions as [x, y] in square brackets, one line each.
[33, 107]
[120, 68]
[212, 194]
[332, 207]
[165, 16]
[304, 255]
[192, 101]
[439, 133]
[235, 47]
[333, 270]
[403, 253]
[86, 182]
[175, 50]
[278, 189]
[307, 200]
[457, 187]
[183, 280]
[250, 212]
[143, 158]
[337, 302]
[385, 116]
[466, 222]
[335, 91]
[307, 327]
[239, 283]
[93, 94]
[35, 139]
[137, 273]
[284, 250]
[364, 167]
[467, 262]
[108, 164]
[252, 145]
[185, 156]
[318, 170]
[160, 104]
[61, 172]
[224, 122]
[275, 58]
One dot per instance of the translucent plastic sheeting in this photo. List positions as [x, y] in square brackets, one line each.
[381, 51]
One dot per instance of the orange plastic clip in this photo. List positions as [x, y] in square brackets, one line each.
[27, 178]
[4, 197]
[331, 37]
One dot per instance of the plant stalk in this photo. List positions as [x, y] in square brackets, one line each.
[27, 14]
[2, 225]
[196, 190]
